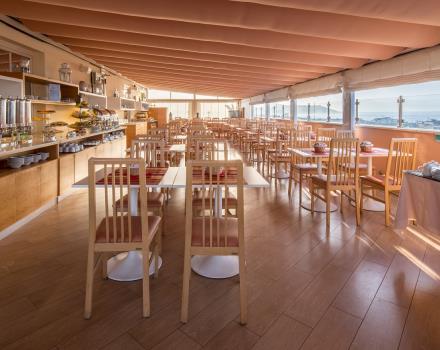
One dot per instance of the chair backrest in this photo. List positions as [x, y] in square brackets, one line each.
[119, 177]
[212, 178]
[152, 151]
[302, 139]
[401, 157]
[325, 134]
[344, 153]
[211, 149]
[158, 133]
[306, 127]
[344, 134]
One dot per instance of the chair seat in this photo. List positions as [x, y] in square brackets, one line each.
[321, 180]
[136, 231]
[280, 157]
[154, 200]
[362, 166]
[306, 166]
[231, 232]
[376, 179]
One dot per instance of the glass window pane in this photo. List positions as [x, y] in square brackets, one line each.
[318, 108]
[205, 97]
[421, 108]
[258, 110]
[378, 106]
[154, 94]
[181, 96]
[279, 110]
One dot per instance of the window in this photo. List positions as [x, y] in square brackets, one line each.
[279, 110]
[177, 109]
[259, 110]
[420, 106]
[154, 94]
[181, 96]
[217, 109]
[205, 97]
[319, 108]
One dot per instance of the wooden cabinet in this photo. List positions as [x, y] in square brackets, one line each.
[7, 209]
[49, 181]
[66, 173]
[27, 191]
[160, 114]
[134, 129]
[82, 162]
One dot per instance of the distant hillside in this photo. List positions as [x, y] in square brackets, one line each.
[302, 109]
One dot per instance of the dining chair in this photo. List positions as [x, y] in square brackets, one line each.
[152, 152]
[213, 234]
[211, 149]
[280, 155]
[340, 176]
[120, 231]
[401, 157]
[298, 165]
[325, 134]
[344, 134]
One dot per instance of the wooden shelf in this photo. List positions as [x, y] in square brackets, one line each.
[11, 86]
[86, 93]
[53, 103]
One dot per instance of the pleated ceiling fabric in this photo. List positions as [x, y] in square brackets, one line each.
[330, 84]
[277, 95]
[257, 99]
[415, 67]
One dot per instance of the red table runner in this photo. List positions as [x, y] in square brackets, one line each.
[153, 176]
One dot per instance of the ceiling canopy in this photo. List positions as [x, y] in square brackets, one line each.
[232, 47]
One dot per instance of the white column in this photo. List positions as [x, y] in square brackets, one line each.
[293, 111]
[348, 112]
[267, 110]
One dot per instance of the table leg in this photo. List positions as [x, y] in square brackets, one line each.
[127, 266]
[369, 203]
[320, 206]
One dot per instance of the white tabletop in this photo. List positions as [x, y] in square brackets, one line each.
[166, 182]
[175, 177]
[309, 153]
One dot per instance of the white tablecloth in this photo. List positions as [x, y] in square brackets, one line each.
[419, 200]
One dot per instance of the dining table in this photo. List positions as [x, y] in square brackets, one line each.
[309, 153]
[127, 266]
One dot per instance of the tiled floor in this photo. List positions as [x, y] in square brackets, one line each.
[365, 288]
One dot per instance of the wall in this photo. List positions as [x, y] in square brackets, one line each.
[427, 148]
[47, 59]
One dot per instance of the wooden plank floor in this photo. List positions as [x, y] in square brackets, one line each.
[365, 288]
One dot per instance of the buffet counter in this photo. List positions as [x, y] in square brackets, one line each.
[30, 189]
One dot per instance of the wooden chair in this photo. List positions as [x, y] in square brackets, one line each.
[211, 149]
[151, 150]
[120, 231]
[210, 234]
[340, 176]
[344, 134]
[302, 167]
[401, 157]
[280, 155]
[325, 134]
